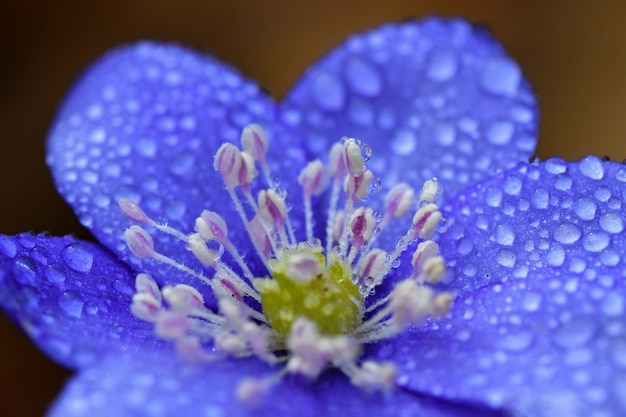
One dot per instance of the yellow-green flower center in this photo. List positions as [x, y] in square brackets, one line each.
[324, 294]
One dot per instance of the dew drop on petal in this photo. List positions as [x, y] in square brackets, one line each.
[25, 271]
[567, 233]
[515, 342]
[77, 257]
[585, 208]
[363, 78]
[71, 303]
[591, 166]
[500, 132]
[442, 65]
[506, 258]
[576, 333]
[613, 304]
[596, 241]
[7, 247]
[531, 301]
[328, 91]
[611, 222]
[403, 142]
[501, 76]
[505, 235]
[55, 273]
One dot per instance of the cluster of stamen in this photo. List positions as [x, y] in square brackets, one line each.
[313, 298]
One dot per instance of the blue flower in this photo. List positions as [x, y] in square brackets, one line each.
[534, 249]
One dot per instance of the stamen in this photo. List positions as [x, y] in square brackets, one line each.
[313, 180]
[211, 225]
[313, 302]
[254, 142]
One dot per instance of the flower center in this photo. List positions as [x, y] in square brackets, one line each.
[302, 285]
[313, 297]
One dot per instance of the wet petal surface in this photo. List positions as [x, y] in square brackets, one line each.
[537, 255]
[157, 386]
[71, 297]
[144, 123]
[438, 98]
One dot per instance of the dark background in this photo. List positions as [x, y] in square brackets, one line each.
[573, 52]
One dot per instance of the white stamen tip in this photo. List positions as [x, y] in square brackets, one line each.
[132, 211]
[183, 298]
[313, 178]
[207, 252]
[251, 391]
[211, 225]
[410, 303]
[139, 242]
[434, 269]
[431, 191]
[399, 200]
[357, 188]
[254, 142]
[336, 162]
[352, 157]
[145, 307]
[426, 220]
[227, 162]
[376, 376]
[303, 267]
[144, 284]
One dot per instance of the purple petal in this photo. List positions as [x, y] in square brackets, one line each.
[436, 98]
[71, 297]
[144, 123]
[163, 386]
[538, 255]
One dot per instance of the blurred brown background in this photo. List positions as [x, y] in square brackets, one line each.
[573, 52]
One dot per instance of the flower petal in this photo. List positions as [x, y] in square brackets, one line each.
[436, 98]
[160, 386]
[71, 297]
[538, 258]
[144, 123]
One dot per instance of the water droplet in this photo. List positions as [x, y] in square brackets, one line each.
[531, 301]
[556, 256]
[445, 134]
[500, 132]
[363, 77]
[175, 209]
[611, 222]
[567, 233]
[77, 257]
[328, 91]
[25, 271]
[375, 186]
[618, 354]
[55, 273]
[596, 241]
[585, 208]
[506, 258]
[182, 163]
[602, 193]
[555, 166]
[360, 112]
[71, 303]
[505, 235]
[563, 182]
[403, 142]
[541, 197]
[501, 76]
[512, 185]
[7, 247]
[146, 147]
[493, 197]
[613, 304]
[591, 166]
[98, 135]
[575, 333]
[515, 342]
[442, 65]
[578, 357]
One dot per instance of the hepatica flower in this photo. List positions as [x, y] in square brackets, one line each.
[253, 262]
